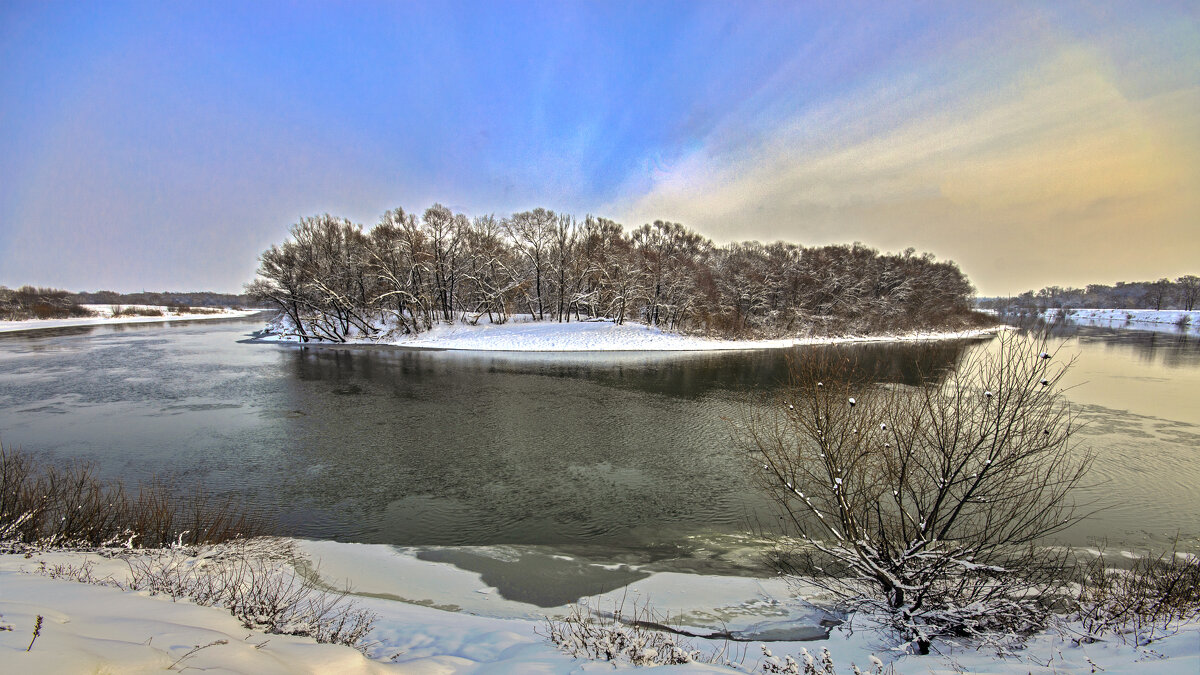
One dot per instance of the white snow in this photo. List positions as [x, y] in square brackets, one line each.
[98, 629]
[104, 316]
[520, 334]
[1149, 319]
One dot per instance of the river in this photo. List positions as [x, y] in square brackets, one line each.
[620, 456]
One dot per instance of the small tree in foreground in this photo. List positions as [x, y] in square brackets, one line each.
[925, 503]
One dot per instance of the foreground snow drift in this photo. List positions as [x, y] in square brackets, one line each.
[104, 316]
[89, 628]
[519, 335]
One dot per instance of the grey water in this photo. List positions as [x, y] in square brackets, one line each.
[618, 456]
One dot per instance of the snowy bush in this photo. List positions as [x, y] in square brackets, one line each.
[925, 505]
[810, 665]
[625, 636]
[1142, 603]
[252, 579]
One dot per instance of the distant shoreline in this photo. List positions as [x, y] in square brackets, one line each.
[46, 324]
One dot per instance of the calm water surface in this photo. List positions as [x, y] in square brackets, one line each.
[625, 455]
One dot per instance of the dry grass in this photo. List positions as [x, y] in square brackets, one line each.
[1142, 601]
[636, 636]
[118, 311]
[255, 580]
[70, 506]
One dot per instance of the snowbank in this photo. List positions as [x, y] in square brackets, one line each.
[523, 335]
[98, 629]
[104, 316]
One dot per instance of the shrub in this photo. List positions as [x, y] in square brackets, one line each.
[251, 578]
[118, 311]
[29, 302]
[70, 506]
[634, 637]
[1141, 603]
[925, 504]
[813, 665]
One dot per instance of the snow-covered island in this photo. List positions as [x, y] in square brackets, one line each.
[103, 315]
[524, 334]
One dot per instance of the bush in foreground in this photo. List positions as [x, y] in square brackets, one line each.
[926, 505]
[256, 580]
[1139, 603]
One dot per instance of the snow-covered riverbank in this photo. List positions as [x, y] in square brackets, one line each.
[523, 335]
[1175, 317]
[437, 618]
[104, 316]
[1172, 321]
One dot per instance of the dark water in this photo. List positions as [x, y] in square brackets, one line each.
[626, 453]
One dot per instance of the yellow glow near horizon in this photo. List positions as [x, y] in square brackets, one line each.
[1023, 187]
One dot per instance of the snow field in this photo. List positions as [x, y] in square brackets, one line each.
[99, 629]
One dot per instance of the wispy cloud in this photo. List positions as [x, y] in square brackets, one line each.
[1022, 178]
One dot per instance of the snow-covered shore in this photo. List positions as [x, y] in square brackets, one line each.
[437, 618]
[104, 316]
[1173, 317]
[523, 335]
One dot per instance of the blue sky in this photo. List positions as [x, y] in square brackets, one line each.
[164, 145]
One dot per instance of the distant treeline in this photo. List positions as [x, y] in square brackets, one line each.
[335, 279]
[1181, 293]
[168, 298]
[29, 302]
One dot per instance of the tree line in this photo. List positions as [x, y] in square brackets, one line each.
[334, 279]
[1182, 293]
[166, 298]
[31, 302]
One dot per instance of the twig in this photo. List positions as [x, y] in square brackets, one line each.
[37, 630]
[194, 650]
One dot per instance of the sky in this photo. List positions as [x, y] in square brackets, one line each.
[164, 145]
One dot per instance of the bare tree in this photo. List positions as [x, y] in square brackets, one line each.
[533, 231]
[401, 263]
[445, 230]
[1158, 293]
[927, 503]
[1189, 290]
[488, 271]
[562, 262]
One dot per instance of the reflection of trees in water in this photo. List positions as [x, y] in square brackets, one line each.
[435, 447]
[686, 375]
[1175, 349]
[61, 331]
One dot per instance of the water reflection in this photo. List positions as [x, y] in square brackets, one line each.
[676, 374]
